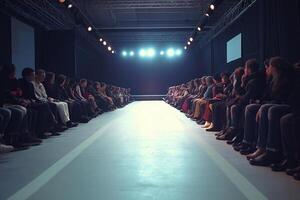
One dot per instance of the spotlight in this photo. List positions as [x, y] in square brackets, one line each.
[112, 51]
[185, 47]
[109, 48]
[207, 15]
[150, 52]
[89, 28]
[104, 43]
[199, 28]
[170, 52]
[100, 39]
[142, 53]
[191, 39]
[70, 6]
[131, 53]
[178, 52]
[188, 43]
[162, 53]
[124, 53]
[212, 6]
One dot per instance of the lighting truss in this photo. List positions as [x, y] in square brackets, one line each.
[150, 4]
[227, 19]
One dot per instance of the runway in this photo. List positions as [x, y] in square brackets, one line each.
[147, 150]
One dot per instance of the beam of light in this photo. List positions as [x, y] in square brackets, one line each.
[178, 52]
[151, 52]
[124, 53]
[142, 53]
[170, 52]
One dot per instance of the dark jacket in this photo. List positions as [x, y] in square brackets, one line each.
[254, 88]
[27, 89]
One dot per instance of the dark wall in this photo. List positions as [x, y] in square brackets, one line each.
[151, 76]
[5, 39]
[269, 28]
[55, 51]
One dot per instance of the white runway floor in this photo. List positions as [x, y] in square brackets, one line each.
[144, 151]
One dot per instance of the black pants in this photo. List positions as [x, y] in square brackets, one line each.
[219, 114]
[290, 136]
[46, 119]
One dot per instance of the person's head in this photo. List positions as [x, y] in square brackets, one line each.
[279, 66]
[267, 68]
[50, 78]
[28, 74]
[217, 78]
[97, 85]
[40, 75]
[83, 83]
[238, 72]
[251, 67]
[103, 85]
[209, 80]
[225, 78]
[61, 80]
[203, 80]
[8, 71]
[72, 83]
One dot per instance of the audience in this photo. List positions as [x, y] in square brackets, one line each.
[42, 104]
[254, 110]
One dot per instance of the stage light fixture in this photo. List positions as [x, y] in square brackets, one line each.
[162, 53]
[109, 48]
[104, 43]
[142, 53]
[170, 52]
[112, 51]
[151, 52]
[212, 7]
[206, 14]
[124, 53]
[185, 47]
[199, 28]
[191, 39]
[131, 53]
[100, 39]
[189, 43]
[90, 29]
[70, 6]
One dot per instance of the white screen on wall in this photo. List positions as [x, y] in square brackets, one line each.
[234, 48]
[23, 45]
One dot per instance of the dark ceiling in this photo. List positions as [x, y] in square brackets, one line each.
[125, 22]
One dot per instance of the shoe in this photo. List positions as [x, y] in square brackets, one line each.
[297, 176]
[71, 124]
[285, 164]
[84, 119]
[32, 141]
[20, 147]
[200, 122]
[6, 148]
[257, 153]
[237, 146]
[60, 128]
[211, 126]
[213, 129]
[266, 159]
[55, 134]
[221, 132]
[247, 149]
[206, 125]
[236, 140]
[291, 172]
